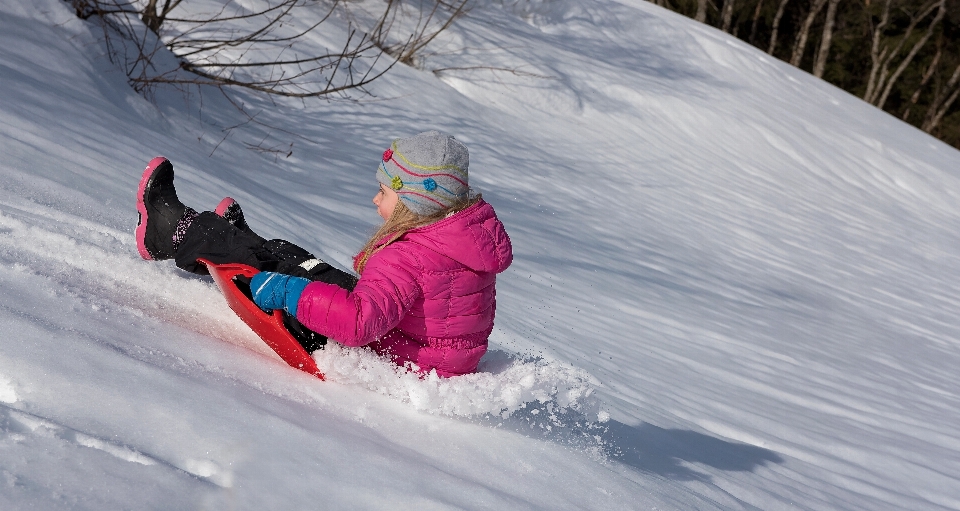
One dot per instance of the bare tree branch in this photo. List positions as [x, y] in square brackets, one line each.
[258, 44]
[942, 102]
[941, 11]
[881, 81]
[924, 78]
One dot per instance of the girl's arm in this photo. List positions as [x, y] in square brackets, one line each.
[383, 295]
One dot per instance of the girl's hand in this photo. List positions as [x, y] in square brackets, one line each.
[277, 291]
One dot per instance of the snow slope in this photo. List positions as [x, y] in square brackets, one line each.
[750, 272]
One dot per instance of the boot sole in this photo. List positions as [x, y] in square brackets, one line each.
[141, 230]
[224, 206]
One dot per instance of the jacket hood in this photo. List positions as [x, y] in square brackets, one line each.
[474, 237]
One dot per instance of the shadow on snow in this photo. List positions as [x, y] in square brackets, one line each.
[668, 452]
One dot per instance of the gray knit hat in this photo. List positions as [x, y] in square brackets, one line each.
[428, 171]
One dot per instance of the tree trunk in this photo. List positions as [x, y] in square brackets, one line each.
[941, 11]
[876, 55]
[800, 46]
[701, 15]
[941, 103]
[924, 79]
[149, 16]
[726, 16]
[881, 81]
[776, 26]
[154, 19]
[820, 63]
[753, 26]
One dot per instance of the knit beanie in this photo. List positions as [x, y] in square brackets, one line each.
[428, 171]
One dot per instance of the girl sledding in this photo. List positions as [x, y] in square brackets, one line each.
[426, 292]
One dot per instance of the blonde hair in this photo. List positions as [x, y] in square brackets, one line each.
[401, 221]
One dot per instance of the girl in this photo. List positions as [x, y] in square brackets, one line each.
[426, 291]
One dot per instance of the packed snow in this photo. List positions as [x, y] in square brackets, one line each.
[735, 286]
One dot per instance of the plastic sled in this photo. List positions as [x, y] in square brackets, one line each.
[268, 326]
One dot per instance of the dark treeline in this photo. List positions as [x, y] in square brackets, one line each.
[901, 55]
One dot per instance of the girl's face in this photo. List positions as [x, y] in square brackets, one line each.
[385, 200]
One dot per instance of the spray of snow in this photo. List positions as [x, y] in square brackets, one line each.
[503, 384]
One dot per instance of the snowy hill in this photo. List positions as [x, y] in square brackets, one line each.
[752, 275]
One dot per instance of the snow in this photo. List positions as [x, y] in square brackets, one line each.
[735, 286]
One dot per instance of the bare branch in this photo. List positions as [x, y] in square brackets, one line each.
[876, 55]
[924, 78]
[941, 10]
[881, 80]
[260, 48]
[513, 71]
[942, 102]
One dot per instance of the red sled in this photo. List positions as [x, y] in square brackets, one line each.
[268, 326]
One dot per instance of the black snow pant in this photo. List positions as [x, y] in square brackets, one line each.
[212, 238]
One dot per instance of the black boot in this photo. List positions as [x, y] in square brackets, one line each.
[230, 210]
[162, 215]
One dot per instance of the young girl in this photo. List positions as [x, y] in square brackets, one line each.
[426, 292]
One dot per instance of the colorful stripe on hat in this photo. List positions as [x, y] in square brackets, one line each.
[426, 189]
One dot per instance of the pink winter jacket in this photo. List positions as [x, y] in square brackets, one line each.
[428, 298]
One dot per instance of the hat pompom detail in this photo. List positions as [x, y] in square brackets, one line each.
[396, 183]
[429, 184]
[387, 155]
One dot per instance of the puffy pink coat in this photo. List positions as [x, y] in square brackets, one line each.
[428, 298]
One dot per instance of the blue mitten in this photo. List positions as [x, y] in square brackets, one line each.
[277, 291]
